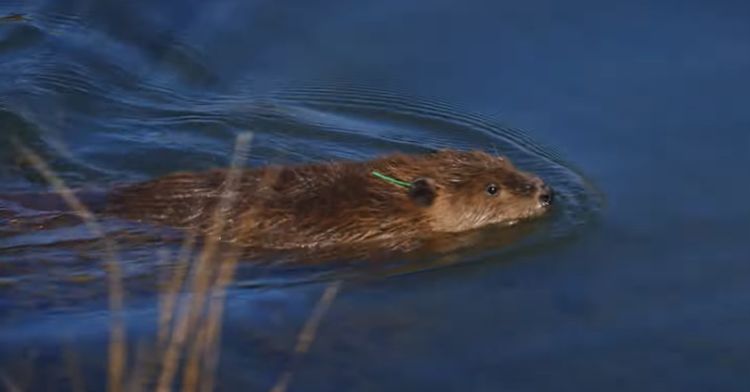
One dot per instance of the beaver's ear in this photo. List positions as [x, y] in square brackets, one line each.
[423, 191]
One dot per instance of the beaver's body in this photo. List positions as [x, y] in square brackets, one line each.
[393, 201]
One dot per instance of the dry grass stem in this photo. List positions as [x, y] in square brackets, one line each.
[308, 333]
[166, 304]
[191, 372]
[188, 324]
[8, 383]
[215, 313]
[204, 270]
[168, 298]
[117, 341]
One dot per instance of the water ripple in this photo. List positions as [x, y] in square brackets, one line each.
[307, 124]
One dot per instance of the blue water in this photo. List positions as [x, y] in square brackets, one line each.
[635, 111]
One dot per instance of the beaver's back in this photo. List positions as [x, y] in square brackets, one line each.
[279, 207]
[399, 199]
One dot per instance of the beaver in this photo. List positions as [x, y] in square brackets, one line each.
[395, 200]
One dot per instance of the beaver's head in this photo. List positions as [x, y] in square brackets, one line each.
[474, 189]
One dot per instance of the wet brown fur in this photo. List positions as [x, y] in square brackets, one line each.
[342, 203]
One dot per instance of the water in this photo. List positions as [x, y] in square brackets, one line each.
[635, 112]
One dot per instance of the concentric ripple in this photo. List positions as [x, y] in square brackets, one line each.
[298, 125]
[380, 122]
[360, 123]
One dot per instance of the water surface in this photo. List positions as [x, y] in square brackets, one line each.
[635, 112]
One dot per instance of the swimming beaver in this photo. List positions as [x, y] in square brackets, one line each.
[393, 201]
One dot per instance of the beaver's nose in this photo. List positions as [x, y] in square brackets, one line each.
[546, 195]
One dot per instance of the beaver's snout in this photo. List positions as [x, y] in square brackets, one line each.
[546, 195]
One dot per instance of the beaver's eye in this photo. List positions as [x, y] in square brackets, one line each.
[492, 189]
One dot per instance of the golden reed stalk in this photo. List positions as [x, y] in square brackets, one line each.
[198, 315]
[201, 280]
[308, 333]
[117, 339]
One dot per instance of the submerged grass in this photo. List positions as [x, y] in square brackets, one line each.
[191, 301]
